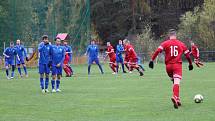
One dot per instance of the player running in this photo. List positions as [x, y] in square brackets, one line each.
[68, 58]
[195, 53]
[9, 54]
[22, 55]
[174, 49]
[126, 58]
[133, 60]
[57, 57]
[44, 49]
[92, 52]
[112, 56]
[119, 58]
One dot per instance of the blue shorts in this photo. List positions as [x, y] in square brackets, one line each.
[119, 59]
[44, 68]
[91, 60]
[57, 70]
[9, 62]
[21, 61]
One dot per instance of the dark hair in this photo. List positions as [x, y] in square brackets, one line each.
[57, 38]
[45, 37]
[172, 32]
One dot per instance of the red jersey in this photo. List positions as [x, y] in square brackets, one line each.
[131, 52]
[111, 52]
[195, 51]
[173, 49]
[67, 58]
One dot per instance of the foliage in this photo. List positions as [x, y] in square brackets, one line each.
[198, 25]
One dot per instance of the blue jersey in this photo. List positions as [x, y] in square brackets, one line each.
[45, 53]
[119, 50]
[57, 54]
[20, 50]
[69, 50]
[92, 51]
[11, 52]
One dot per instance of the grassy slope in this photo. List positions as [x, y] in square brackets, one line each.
[123, 97]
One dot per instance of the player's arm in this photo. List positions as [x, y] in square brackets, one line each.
[63, 57]
[87, 51]
[4, 53]
[40, 47]
[187, 55]
[154, 56]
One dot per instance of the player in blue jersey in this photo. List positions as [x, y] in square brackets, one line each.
[22, 55]
[9, 54]
[44, 49]
[92, 52]
[57, 55]
[119, 58]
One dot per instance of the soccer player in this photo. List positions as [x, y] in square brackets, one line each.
[174, 49]
[68, 58]
[44, 49]
[195, 53]
[57, 55]
[92, 52]
[126, 58]
[119, 58]
[21, 52]
[112, 56]
[133, 60]
[10, 54]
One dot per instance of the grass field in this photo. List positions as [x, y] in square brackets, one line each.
[122, 97]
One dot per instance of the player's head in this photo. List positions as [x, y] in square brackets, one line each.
[92, 42]
[45, 39]
[108, 43]
[18, 42]
[65, 42]
[58, 41]
[124, 41]
[120, 42]
[192, 43]
[11, 44]
[172, 34]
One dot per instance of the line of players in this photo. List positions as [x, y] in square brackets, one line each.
[16, 54]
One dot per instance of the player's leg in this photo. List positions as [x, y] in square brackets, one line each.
[54, 78]
[59, 74]
[67, 70]
[41, 72]
[47, 71]
[136, 66]
[19, 69]
[100, 67]
[89, 65]
[7, 69]
[111, 64]
[12, 73]
[24, 66]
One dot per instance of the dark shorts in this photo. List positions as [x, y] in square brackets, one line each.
[44, 68]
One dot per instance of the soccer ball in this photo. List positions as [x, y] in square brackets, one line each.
[198, 98]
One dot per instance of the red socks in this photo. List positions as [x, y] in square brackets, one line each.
[176, 90]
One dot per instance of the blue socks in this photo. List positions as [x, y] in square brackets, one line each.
[25, 69]
[46, 83]
[53, 84]
[57, 84]
[100, 67]
[41, 83]
[19, 70]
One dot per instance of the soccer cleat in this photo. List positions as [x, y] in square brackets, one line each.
[46, 90]
[11, 77]
[58, 90]
[175, 103]
[53, 90]
[141, 73]
[26, 75]
[124, 72]
[43, 91]
[21, 76]
[178, 101]
[114, 73]
[130, 72]
[8, 77]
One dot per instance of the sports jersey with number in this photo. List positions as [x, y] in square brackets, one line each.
[173, 49]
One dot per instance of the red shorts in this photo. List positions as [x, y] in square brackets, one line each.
[112, 60]
[126, 60]
[133, 61]
[174, 70]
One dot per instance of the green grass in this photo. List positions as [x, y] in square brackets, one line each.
[123, 97]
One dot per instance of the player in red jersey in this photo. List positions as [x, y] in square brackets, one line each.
[126, 59]
[133, 59]
[174, 49]
[195, 53]
[112, 56]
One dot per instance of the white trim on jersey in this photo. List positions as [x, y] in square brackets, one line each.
[160, 47]
[187, 51]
